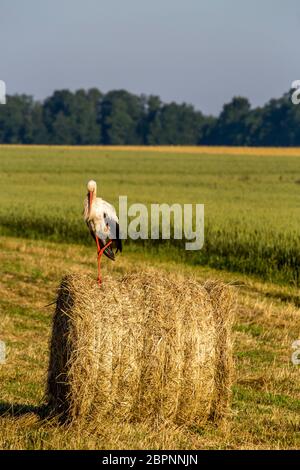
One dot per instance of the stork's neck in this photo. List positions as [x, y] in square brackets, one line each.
[91, 201]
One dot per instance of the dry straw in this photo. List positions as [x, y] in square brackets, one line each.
[146, 347]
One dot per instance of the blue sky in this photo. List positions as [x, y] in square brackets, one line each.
[200, 51]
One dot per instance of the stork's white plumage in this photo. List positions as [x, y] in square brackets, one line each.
[103, 223]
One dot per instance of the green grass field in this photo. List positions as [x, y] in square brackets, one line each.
[252, 202]
[252, 206]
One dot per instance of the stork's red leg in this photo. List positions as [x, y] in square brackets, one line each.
[98, 245]
[99, 280]
[100, 253]
[98, 258]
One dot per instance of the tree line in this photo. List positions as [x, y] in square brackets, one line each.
[122, 118]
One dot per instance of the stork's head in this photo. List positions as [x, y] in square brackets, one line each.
[92, 188]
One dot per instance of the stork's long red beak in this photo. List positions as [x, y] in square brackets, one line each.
[90, 201]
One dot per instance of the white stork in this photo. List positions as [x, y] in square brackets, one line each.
[103, 223]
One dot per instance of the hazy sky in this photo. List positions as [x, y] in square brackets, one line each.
[199, 51]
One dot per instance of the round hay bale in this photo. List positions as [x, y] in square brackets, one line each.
[147, 346]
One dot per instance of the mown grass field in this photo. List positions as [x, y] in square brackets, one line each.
[251, 202]
[266, 392]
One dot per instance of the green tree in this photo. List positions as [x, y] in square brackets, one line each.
[15, 119]
[231, 128]
[73, 118]
[174, 124]
[276, 124]
[121, 118]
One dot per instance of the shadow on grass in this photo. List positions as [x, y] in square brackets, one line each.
[288, 298]
[18, 409]
[277, 295]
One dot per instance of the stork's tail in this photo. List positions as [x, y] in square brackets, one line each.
[118, 240]
[109, 253]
